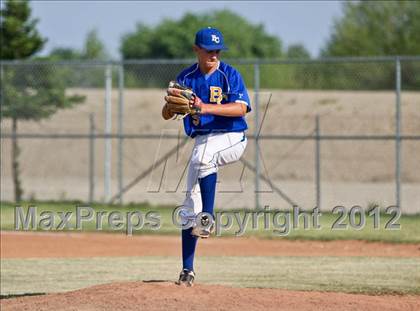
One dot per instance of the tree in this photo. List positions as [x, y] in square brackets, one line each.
[29, 92]
[19, 37]
[297, 51]
[63, 53]
[93, 48]
[372, 28]
[376, 28]
[174, 38]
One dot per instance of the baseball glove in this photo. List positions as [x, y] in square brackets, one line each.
[179, 101]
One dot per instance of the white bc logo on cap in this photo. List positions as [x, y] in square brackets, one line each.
[215, 38]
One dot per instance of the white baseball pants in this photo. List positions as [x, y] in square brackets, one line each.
[209, 153]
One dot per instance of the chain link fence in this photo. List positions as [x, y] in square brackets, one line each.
[326, 132]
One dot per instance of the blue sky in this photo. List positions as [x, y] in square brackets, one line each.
[66, 23]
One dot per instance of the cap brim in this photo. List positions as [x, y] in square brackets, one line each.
[213, 47]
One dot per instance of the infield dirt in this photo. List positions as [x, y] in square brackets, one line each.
[64, 245]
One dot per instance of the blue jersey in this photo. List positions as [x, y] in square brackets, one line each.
[225, 85]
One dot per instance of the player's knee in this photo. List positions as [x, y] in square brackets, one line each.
[204, 166]
[206, 171]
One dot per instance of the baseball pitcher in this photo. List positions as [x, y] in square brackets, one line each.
[212, 99]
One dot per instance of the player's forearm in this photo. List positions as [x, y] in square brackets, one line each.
[226, 110]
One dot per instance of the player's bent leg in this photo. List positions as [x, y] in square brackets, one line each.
[204, 224]
[234, 152]
[208, 192]
[221, 150]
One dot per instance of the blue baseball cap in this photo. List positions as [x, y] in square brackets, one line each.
[210, 39]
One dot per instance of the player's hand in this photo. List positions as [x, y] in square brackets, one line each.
[197, 102]
[197, 105]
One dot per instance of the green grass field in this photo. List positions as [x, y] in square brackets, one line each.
[409, 231]
[339, 274]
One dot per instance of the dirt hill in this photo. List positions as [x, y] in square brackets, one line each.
[164, 295]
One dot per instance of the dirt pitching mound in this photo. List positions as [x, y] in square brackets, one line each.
[162, 295]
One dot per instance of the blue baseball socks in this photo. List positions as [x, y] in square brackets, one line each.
[189, 242]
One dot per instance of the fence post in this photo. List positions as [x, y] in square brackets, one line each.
[120, 130]
[317, 163]
[91, 158]
[108, 129]
[257, 125]
[398, 132]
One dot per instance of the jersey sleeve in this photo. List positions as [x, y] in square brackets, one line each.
[180, 78]
[238, 92]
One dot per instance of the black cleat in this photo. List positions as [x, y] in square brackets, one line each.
[186, 277]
